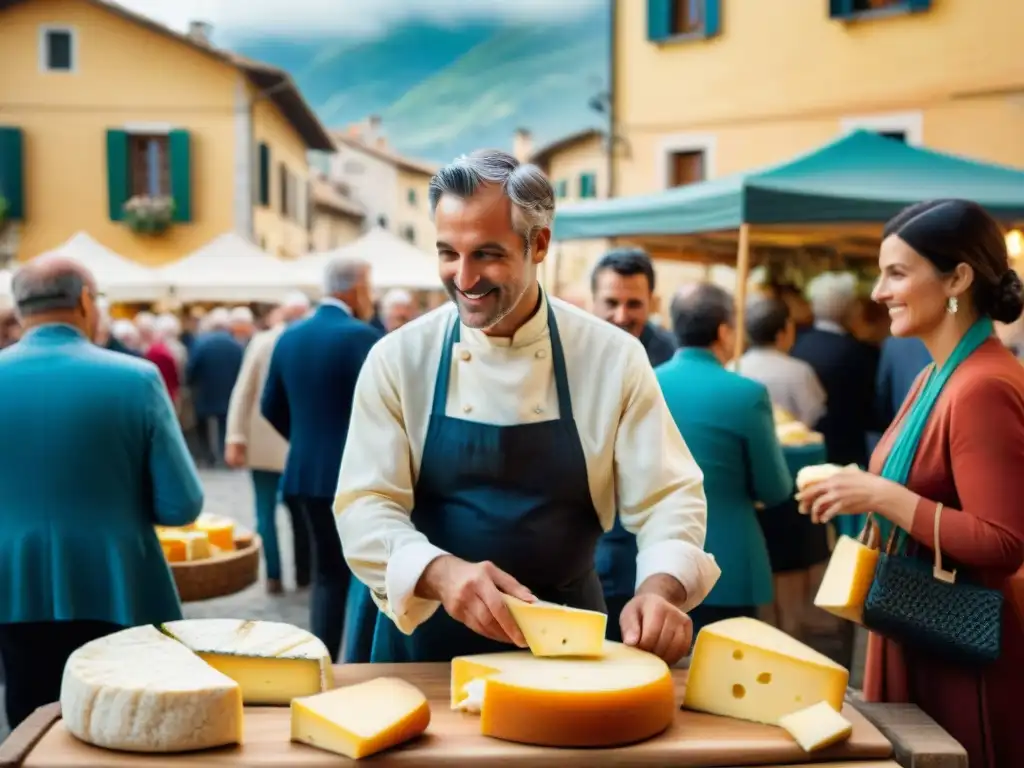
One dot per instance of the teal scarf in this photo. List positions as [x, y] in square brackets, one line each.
[901, 457]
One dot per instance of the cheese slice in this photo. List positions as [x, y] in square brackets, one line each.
[847, 580]
[558, 630]
[220, 530]
[140, 691]
[361, 720]
[186, 545]
[622, 697]
[815, 473]
[749, 670]
[273, 662]
[816, 727]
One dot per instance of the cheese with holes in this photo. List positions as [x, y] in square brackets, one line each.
[558, 630]
[816, 727]
[181, 546]
[220, 530]
[272, 662]
[750, 670]
[848, 577]
[361, 720]
[141, 691]
[622, 697]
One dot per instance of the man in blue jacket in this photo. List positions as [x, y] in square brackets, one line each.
[91, 458]
[308, 399]
[726, 420]
[213, 365]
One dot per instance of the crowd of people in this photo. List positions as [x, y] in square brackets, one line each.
[510, 442]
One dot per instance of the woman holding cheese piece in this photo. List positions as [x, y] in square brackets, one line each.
[501, 476]
[951, 463]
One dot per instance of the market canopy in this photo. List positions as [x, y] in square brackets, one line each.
[119, 278]
[6, 298]
[844, 190]
[394, 262]
[231, 269]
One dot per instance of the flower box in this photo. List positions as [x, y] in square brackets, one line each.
[149, 215]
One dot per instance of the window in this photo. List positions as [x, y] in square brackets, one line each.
[686, 168]
[149, 165]
[411, 196]
[409, 233]
[562, 189]
[57, 49]
[897, 135]
[851, 9]
[907, 127]
[12, 172]
[680, 20]
[588, 185]
[382, 221]
[263, 180]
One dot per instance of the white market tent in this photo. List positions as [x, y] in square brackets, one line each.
[6, 299]
[120, 279]
[231, 269]
[394, 263]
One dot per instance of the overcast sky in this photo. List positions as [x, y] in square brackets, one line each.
[355, 18]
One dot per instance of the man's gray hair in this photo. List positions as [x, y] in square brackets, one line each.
[35, 293]
[342, 274]
[395, 297]
[524, 184]
[831, 295]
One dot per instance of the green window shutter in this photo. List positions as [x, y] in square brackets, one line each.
[181, 175]
[117, 173]
[919, 5]
[659, 20]
[12, 172]
[588, 185]
[838, 9]
[712, 18]
[264, 188]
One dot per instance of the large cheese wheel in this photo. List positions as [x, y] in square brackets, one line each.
[182, 687]
[623, 697]
[139, 690]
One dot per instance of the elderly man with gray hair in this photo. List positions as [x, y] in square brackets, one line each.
[307, 398]
[397, 308]
[495, 438]
[845, 366]
[92, 458]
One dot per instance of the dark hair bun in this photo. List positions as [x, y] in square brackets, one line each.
[1008, 298]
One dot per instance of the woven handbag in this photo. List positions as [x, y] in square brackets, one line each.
[926, 608]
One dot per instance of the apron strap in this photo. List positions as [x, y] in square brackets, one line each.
[444, 369]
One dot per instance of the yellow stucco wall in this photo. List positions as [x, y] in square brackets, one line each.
[280, 235]
[573, 259]
[332, 229]
[415, 214]
[126, 74]
[757, 98]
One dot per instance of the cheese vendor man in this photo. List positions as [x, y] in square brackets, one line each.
[493, 438]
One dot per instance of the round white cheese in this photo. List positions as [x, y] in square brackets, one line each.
[141, 691]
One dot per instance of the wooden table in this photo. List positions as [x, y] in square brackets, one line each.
[453, 740]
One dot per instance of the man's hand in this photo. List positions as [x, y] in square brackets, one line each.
[652, 620]
[235, 455]
[471, 593]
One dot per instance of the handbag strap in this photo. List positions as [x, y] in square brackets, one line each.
[938, 571]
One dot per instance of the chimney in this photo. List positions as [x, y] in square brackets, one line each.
[522, 145]
[200, 32]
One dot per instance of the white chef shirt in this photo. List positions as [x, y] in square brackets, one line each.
[636, 459]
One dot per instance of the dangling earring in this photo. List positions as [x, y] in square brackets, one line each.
[952, 305]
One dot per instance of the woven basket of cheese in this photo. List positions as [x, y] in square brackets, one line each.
[211, 557]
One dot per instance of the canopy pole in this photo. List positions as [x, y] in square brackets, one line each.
[742, 277]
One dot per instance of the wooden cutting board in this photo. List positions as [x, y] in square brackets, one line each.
[695, 740]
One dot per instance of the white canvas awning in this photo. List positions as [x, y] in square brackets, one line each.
[119, 279]
[6, 299]
[231, 269]
[394, 263]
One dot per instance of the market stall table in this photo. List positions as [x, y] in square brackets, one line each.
[453, 739]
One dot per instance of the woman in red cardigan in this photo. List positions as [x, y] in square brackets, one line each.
[944, 277]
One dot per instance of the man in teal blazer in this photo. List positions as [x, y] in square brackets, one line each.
[726, 420]
[91, 458]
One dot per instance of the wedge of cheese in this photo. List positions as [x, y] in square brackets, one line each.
[816, 727]
[272, 662]
[361, 720]
[847, 579]
[181, 546]
[749, 670]
[622, 697]
[219, 530]
[558, 630]
[141, 691]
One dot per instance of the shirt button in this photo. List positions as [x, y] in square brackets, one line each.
[538, 410]
[467, 408]
[541, 354]
[465, 355]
